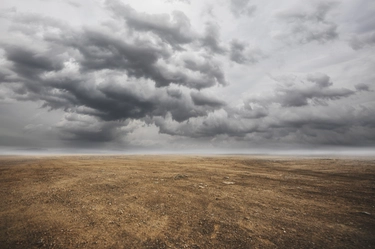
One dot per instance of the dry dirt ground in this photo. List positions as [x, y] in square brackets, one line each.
[186, 202]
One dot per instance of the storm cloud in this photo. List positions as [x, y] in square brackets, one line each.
[291, 112]
[174, 29]
[315, 90]
[247, 76]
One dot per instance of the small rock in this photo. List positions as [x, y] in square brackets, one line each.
[179, 176]
[40, 242]
[229, 183]
[366, 213]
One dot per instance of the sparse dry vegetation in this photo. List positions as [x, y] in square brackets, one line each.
[186, 202]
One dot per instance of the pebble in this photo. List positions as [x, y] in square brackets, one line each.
[229, 183]
[366, 213]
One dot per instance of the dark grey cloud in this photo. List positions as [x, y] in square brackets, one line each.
[242, 53]
[362, 87]
[29, 64]
[316, 90]
[99, 49]
[175, 29]
[211, 39]
[142, 58]
[154, 103]
[174, 92]
[321, 80]
[249, 110]
[299, 97]
[116, 100]
[303, 126]
[237, 52]
[349, 126]
[96, 73]
[210, 69]
[242, 7]
[202, 99]
[304, 26]
[157, 75]
[308, 115]
[213, 125]
[5, 76]
[85, 128]
[102, 51]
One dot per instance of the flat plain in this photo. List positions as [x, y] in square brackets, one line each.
[231, 201]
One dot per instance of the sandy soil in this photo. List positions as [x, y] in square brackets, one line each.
[186, 202]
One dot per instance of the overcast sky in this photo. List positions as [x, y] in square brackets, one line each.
[187, 76]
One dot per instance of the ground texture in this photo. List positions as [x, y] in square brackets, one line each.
[186, 202]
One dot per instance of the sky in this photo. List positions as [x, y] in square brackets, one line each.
[187, 76]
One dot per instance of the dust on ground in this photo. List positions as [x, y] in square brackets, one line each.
[186, 202]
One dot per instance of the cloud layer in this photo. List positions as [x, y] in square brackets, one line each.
[157, 76]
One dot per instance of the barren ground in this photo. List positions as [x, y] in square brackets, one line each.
[186, 202]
